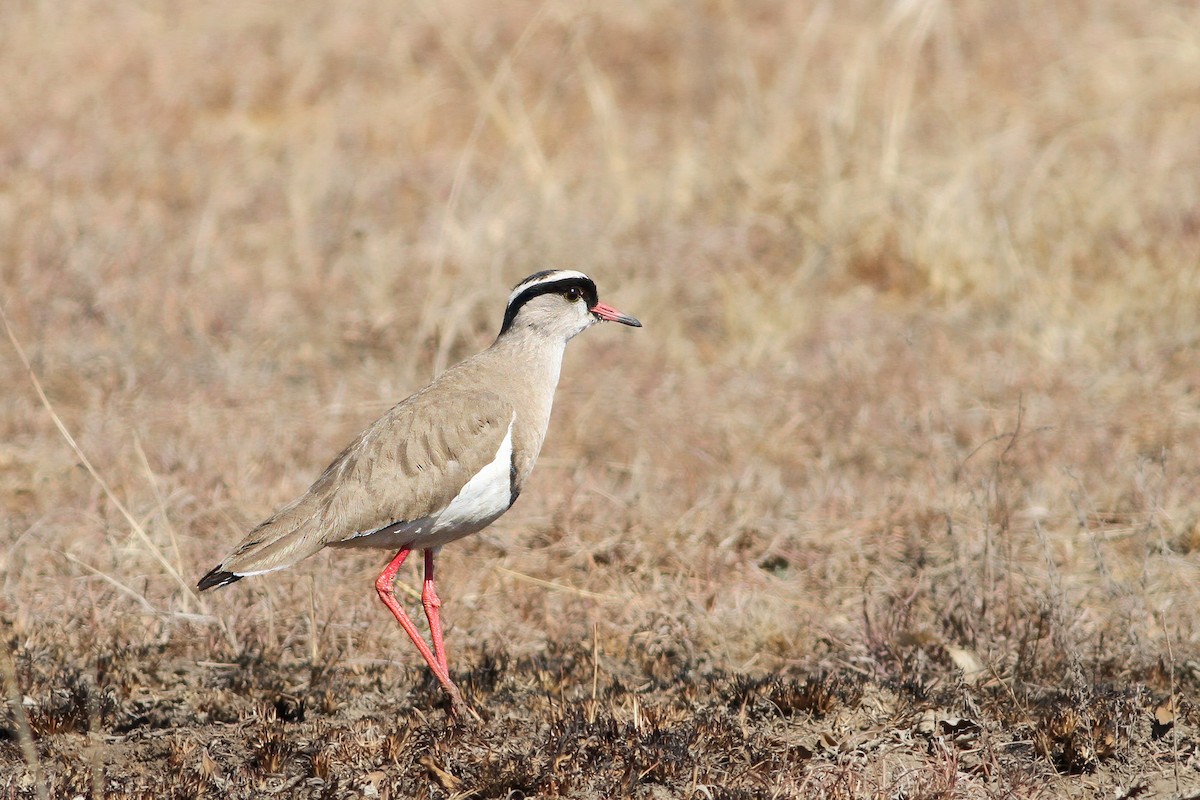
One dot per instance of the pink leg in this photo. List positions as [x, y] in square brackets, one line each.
[383, 585]
[433, 606]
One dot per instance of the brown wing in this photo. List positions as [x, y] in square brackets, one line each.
[412, 462]
[409, 464]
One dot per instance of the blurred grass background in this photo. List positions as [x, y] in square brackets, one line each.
[919, 282]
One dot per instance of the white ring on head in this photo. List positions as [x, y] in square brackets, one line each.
[556, 275]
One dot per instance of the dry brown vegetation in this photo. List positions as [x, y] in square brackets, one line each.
[895, 495]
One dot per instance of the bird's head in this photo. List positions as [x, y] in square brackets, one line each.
[558, 302]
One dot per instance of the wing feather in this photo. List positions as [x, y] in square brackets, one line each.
[412, 462]
[408, 465]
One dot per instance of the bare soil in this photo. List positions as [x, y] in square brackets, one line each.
[583, 720]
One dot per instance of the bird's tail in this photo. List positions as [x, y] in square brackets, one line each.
[289, 536]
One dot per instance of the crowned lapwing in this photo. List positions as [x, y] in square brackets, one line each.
[442, 464]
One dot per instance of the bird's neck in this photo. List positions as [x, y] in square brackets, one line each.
[532, 364]
[536, 358]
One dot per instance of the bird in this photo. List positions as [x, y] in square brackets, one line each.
[442, 464]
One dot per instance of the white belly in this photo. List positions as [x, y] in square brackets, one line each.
[478, 504]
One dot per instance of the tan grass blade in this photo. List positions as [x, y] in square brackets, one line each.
[83, 459]
[521, 576]
[116, 584]
[12, 692]
[162, 504]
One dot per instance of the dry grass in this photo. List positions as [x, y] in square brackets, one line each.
[917, 389]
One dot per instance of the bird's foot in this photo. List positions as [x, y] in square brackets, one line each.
[461, 709]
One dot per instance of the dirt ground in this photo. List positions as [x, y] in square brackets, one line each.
[642, 720]
[895, 495]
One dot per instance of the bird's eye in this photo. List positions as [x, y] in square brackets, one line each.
[573, 294]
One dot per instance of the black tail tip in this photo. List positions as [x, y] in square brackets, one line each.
[217, 577]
